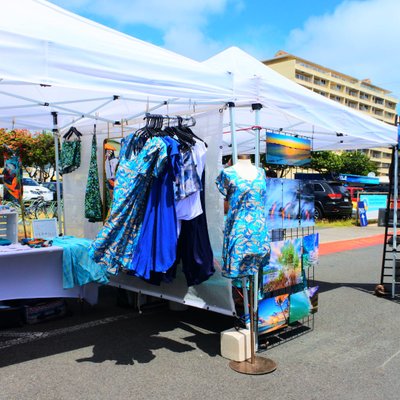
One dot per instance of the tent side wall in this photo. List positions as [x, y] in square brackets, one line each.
[214, 294]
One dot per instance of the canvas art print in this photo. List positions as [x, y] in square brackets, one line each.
[310, 250]
[274, 203]
[284, 268]
[287, 150]
[307, 205]
[273, 313]
[300, 306]
[290, 203]
[313, 296]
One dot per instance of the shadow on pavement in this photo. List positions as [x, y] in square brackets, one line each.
[132, 338]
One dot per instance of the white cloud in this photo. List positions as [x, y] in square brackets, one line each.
[181, 23]
[359, 38]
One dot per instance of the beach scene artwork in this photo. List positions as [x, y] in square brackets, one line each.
[310, 250]
[284, 268]
[273, 313]
[287, 150]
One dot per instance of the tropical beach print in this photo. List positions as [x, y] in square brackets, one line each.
[284, 268]
[273, 313]
[310, 250]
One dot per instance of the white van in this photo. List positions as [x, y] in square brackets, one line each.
[32, 190]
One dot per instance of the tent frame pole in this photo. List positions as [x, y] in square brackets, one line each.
[395, 197]
[56, 135]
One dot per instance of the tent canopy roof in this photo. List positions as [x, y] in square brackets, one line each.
[51, 56]
[106, 75]
[290, 107]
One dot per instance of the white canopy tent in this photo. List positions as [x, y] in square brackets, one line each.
[289, 107]
[56, 61]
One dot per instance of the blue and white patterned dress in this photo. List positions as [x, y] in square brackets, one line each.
[246, 242]
[117, 240]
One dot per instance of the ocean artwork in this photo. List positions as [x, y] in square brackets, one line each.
[307, 205]
[284, 268]
[274, 203]
[300, 306]
[291, 203]
[310, 250]
[287, 150]
[273, 313]
[313, 296]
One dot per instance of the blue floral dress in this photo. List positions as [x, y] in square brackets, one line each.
[117, 240]
[246, 242]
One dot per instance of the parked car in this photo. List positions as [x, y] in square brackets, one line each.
[31, 190]
[53, 187]
[332, 200]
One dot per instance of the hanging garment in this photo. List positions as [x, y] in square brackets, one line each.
[190, 207]
[194, 248]
[117, 240]
[188, 181]
[70, 156]
[78, 268]
[93, 204]
[12, 177]
[246, 242]
[156, 250]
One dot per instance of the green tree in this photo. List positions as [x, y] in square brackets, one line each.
[357, 163]
[36, 151]
[348, 162]
[289, 255]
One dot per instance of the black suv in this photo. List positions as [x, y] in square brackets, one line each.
[332, 200]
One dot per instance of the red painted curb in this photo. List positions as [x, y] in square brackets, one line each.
[343, 245]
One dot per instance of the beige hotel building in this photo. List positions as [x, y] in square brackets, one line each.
[361, 95]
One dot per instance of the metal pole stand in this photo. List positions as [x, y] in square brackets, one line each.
[255, 365]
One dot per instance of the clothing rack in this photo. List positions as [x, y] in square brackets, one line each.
[185, 121]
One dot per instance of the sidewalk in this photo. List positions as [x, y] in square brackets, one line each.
[333, 240]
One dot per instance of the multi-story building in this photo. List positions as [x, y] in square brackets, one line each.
[360, 95]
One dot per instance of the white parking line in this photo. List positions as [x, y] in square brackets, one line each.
[26, 337]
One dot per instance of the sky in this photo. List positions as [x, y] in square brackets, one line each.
[356, 37]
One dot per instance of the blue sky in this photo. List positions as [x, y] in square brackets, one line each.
[357, 37]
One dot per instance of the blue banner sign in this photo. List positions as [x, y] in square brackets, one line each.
[362, 214]
[372, 203]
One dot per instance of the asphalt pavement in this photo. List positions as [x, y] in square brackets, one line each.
[111, 352]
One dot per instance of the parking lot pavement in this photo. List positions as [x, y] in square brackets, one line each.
[112, 352]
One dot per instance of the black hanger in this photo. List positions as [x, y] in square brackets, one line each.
[72, 131]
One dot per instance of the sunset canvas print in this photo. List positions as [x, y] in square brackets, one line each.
[273, 313]
[287, 150]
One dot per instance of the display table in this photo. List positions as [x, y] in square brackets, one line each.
[27, 273]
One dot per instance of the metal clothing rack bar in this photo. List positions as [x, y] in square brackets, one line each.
[187, 121]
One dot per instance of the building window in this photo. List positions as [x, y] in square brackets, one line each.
[378, 111]
[376, 154]
[364, 96]
[378, 100]
[303, 77]
[352, 92]
[321, 82]
[364, 107]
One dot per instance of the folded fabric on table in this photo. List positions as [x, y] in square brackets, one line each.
[78, 267]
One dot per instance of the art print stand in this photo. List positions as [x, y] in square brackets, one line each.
[255, 365]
